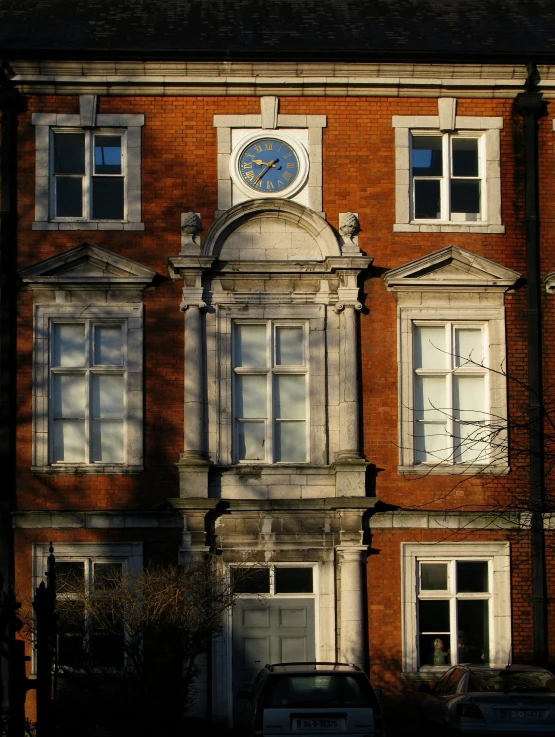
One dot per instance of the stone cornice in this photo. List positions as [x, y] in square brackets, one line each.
[285, 78]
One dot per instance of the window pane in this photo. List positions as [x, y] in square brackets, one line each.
[433, 616]
[290, 397]
[107, 650]
[432, 443]
[290, 442]
[107, 345]
[107, 155]
[469, 397]
[70, 650]
[472, 632]
[465, 199]
[69, 153]
[71, 630]
[470, 419]
[251, 438]
[69, 441]
[69, 344]
[433, 576]
[107, 441]
[427, 199]
[250, 346]
[107, 396]
[435, 649]
[70, 575]
[289, 346]
[69, 396]
[472, 576]
[69, 197]
[107, 575]
[250, 396]
[427, 156]
[293, 580]
[250, 580]
[465, 157]
[107, 198]
[468, 346]
[430, 347]
[430, 402]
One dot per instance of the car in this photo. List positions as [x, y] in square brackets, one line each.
[483, 701]
[314, 699]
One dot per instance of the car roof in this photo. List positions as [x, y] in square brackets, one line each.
[507, 668]
[310, 667]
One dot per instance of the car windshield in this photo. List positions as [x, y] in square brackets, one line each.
[506, 681]
[317, 690]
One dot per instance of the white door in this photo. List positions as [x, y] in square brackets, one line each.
[275, 630]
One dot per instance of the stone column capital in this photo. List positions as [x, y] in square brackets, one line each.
[339, 306]
[352, 553]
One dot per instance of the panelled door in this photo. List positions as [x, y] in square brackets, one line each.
[275, 630]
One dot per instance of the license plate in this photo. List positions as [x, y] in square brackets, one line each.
[521, 714]
[327, 724]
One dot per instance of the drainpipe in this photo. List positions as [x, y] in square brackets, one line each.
[529, 105]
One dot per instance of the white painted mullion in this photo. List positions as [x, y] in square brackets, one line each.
[446, 180]
[450, 404]
[124, 173]
[270, 408]
[87, 178]
[482, 164]
[89, 354]
[125, 429]
[453, 623]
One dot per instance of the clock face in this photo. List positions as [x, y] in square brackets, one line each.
[268, 165]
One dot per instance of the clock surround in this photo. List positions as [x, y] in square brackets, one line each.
[268, 163]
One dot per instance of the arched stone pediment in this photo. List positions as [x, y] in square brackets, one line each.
[270, 230]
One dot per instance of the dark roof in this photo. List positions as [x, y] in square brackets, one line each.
[425, 30]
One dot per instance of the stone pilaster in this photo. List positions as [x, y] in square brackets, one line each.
[352, 562]
[193, 463]
[349, 462]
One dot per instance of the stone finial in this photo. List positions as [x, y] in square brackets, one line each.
[348, 224]
[191, 228]
[349, 228]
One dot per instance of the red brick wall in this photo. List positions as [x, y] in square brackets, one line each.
[179, 174]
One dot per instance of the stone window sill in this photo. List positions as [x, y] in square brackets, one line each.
[78, 469]
[87, 225]
[447, 228]
[455, 469]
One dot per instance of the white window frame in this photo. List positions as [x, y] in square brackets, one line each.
[487, 129]
[220, 331]
[89, 370]
[131, 317]
[129, 128]
[272, 593]
[447, 176]
[497, 554]
[89, 175]
[130, 555]
[271, 371]
[493, 321]
[477, 366]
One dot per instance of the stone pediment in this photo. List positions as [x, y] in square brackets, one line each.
[451, 267]
[87, 265]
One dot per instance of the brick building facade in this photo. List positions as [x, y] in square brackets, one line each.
[321, 375]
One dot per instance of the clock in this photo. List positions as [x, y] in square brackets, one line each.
[269, 165]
